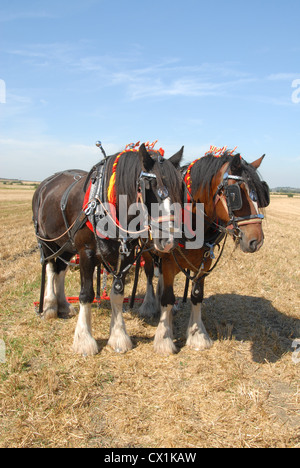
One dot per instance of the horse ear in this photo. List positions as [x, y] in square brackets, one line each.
[145, 159]
[236, 162]
[220, 174]
[176, 158]
[258, 162]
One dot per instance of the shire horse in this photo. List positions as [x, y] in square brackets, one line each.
[233, 194]
[66, 224]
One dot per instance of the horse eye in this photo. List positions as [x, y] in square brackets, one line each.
[163, 193]
[253, 196]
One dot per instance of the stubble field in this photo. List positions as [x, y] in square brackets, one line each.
[244, 392]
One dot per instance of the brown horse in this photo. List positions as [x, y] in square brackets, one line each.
[232, 193]
[66, 224]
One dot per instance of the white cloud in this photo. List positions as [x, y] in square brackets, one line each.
[165, 78]
[188, 87]
[283, 76]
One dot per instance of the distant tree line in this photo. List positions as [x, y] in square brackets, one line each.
[289, 191]
[285, 190]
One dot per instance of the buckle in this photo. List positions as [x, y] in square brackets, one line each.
[90, 209]
[123, 248]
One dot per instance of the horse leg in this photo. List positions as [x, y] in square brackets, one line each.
[163, 341]
[118, 339]
[159, 291]
[64, 308]
[149, 308]
[50, 301]
[84, 343]
[197, 336]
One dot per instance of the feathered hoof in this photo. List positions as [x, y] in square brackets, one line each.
[165, 347]
[85, 345]
[120, 343]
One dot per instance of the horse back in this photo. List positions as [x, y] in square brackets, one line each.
[66, 186]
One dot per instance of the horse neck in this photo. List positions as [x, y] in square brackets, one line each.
[204, 196]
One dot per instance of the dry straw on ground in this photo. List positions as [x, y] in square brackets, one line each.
[244, 392]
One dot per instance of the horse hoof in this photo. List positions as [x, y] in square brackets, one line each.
[86, 347]
[165, 347]
[50, 313]
[120, 344]
[199, 342]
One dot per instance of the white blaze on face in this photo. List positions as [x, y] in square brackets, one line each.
[164, 229]
[254, 203]
[168, 225]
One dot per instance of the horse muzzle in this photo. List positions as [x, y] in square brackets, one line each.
[165, 245]
[250, 246]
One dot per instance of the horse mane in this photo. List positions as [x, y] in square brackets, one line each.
[127, 174]
[207, 167]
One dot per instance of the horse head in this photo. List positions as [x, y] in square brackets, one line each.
[160, 187]
[238, 197]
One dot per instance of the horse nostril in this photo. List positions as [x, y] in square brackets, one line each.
[253, 245]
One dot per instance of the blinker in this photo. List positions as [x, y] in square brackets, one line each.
[144, 182]
[163, 193]
[263, 198]
[253, 195]
[234, 197]
[264, 201]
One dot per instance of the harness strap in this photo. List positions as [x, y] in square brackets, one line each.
[198, 273]
[78, 224]
[254, 220]
[63, 207]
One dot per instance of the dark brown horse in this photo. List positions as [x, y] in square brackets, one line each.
[60, 209]
[232, 193]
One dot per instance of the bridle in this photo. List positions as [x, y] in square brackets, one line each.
[144, 184]
[231, 198]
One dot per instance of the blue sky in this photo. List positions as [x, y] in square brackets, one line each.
[192, 73]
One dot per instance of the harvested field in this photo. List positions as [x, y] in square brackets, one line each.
[244, 392]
